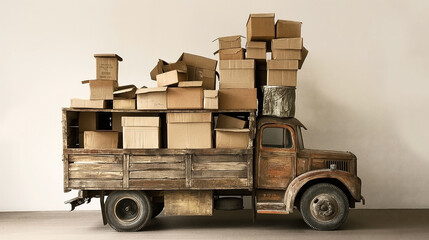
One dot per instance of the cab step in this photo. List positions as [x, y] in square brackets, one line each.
[271, 208]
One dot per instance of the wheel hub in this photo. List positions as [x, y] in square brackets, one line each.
[126, 209]
[324, 207]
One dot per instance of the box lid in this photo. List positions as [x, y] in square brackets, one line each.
[189, 117]
[107, 55]
[140, 121]
[211, 93]
[179, 65]
[97, 82]
[190, 84]
[304, 53]
[157, 69]
[232, 130]
[288, 21]
[282, 64]
[225, 121]
[150, 90]
[254, 44]
[198, 61]
[237, 64]
[229, 51]
[287, 43]
[127, 91]
[228, 38]
[260, 15]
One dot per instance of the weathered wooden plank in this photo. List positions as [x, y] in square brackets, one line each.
[218, 174]
[157, 174]
[219, 158]
[95, 175]
[95, 167]
[95, 184]
[96, 158]
[66, 171]
[157, 159]
[156, 166]
[220, 166]
[126, 170]
[190, 203]
[227, 183]
[160, 184]
[188, 170]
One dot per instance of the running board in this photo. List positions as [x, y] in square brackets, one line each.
[271, 208]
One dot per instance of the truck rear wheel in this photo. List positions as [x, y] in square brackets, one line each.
[324, 207]
[128, 211]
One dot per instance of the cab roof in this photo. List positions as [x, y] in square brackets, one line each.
[289, 121]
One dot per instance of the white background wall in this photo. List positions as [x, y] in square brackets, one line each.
[364, 86]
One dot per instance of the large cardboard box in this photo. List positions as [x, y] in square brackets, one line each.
[189, 130]
[225, 121]
[211, 99]
[229, 42]
[140, 132]
[282, 72]
[101, 89]
[107, 66]
[256, 50]
[152, 98]
[288, 29]
[128, 104]
[231, 54]
[260, 27]
[200, 69]
[232, 138]
[100, 139]
[170, 78]
[125, 92]
[287, 48]
[185, 98]
[87, 103]
[237, 98]
[237, 74]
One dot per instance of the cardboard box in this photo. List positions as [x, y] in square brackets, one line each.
[288, 29]
[100, 140]
[125, 92]
[141, 132]
[101, 89]
[162, 66]
[260, 27]
[232, 138]
[225, 121]
[185, 98]
[287, 48]
[170, 78]
[304, 53]
[189, 130]
[200, 69]
[237, 98]
[229, 42]
[152, 98]
[237, 74]
[256, 50]
[86, 103]
[260, 73]
[231, 54]
[282, 72]
[129, 104]
[107, 66]
[191, 84]
[211, 99]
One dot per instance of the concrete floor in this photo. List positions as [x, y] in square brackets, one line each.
[361, 224]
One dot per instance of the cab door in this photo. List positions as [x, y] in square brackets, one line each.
[276, 161]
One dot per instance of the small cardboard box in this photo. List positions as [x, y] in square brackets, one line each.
[200, 69]
[101, 89]
[225, 121]
[232, 138]
[189, 130]
[211, 99]
[287, 48]
[170, 78]
[107, 66]
[128, 104]
[152, 98]
[140, 132]
[162, 66]
[185, 98]
[282, 72]
[125, 92]
[100, 139]
[256, 50]
[288, 29]
[237, 74]
[229, 42]
[260, 27]
[237, 98]
[231, 54]
[86, 103]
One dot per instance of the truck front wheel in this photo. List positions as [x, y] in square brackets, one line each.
[324, 207]
[128, 211]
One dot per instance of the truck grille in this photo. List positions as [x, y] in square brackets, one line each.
[341, 164]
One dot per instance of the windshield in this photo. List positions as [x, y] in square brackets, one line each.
[299, 136]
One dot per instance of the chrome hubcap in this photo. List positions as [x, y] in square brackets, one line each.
[324, 207]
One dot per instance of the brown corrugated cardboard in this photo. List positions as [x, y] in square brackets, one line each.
[282, 72]
[189, 130]
[211, 99]
[229, 42]
[86, 103]
[100, 140]
[287, 48]
[200, 69]
[152, 98]
[304, 53]
[191, 84]
[170, 78]
[237, 98]
[185, 98]
[260, 27]
[256, 50]
[128, 104]
[231, 54]
[237, 73]
[125, 92]
[107, 66]
[225, 121]
[101, 89]
[288, 29]
[162, 66]
[140, 132]
[232, 138]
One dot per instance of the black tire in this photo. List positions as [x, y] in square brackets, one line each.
[157, 208]
[324, 207]
[128, 211]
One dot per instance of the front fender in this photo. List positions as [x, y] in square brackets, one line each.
[351, 182]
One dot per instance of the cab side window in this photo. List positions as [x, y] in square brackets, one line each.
[277, 137]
